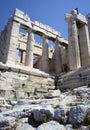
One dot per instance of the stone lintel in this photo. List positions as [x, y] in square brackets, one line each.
[75, 16]
[21, 15]
[62, 41]
[22, 18]
[22, 22]
[37, 27]
[50, 33]
[45, 27]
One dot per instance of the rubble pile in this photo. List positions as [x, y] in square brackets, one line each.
[62, 111]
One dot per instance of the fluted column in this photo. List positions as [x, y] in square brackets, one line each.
[29, 49]
[58, 59]
[74, 52]
[45, 61]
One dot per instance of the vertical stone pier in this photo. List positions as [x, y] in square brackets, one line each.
[73, 47]
[29, 50]
[45, 62]
[12, 42]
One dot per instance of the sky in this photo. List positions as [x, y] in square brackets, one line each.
[50, 12]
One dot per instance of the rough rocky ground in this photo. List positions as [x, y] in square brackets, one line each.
[68, 110]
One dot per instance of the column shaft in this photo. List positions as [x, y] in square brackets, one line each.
[74, 54]
[45, 61]
[84, 45]
[29, 50]
[58, 60]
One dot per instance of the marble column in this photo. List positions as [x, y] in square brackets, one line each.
[84, 45]
[58, 59]
[73, 47]
[45, 60]
[29, 49]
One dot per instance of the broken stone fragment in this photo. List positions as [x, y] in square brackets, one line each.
[7, 122]
[53, 93]
[43, 115]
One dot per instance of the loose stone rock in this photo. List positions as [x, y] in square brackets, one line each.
[59, 115]
[24, 127]
[77, 114]
[52, 125]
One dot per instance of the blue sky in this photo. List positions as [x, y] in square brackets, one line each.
[50, 12]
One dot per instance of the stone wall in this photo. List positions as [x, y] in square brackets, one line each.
[74, 79]
[18, 83]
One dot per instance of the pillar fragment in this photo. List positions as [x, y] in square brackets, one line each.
[29, 49]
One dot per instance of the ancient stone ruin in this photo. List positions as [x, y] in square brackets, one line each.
[43, 85]
[25, 60]
[16, 42]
